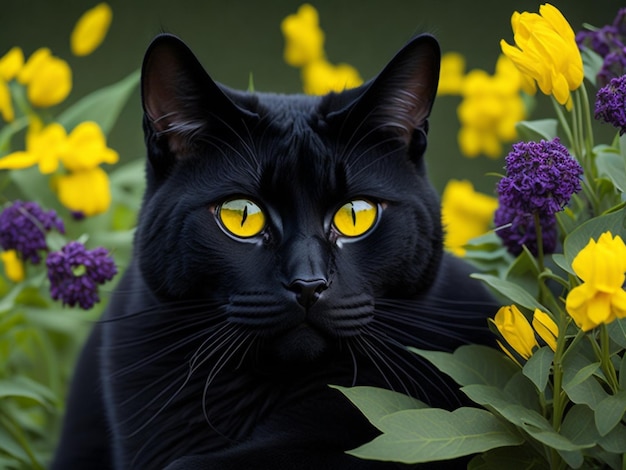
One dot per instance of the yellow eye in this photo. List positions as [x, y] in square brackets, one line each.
[355, 218]
[241, 217]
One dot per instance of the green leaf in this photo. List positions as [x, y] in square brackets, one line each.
[617, 332]
[610, 412]
[518, 457]
[615, 222]
[9, 130]
[611, 165]
[523, 392]
[376, 403]
[23, 387]
[589, 393]
[526, 419]
[536, 130]
[472, 364]
[574, 375]
[615, 441]
[102, 106]
[428, 434]
[592, 63]
[538, 367]
[512, 291]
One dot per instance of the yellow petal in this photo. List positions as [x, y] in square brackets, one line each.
[91, 29]
[47, 144]
[85, 191]
[516, 330]
[36, 59]
[11, 63]
[6, 102]
[13, 266]
[18, 161]
[87, 148]
[577, 305]
[545, 328]
[51, 83]
[304, 40]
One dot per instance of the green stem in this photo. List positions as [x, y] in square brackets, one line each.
[605, 359]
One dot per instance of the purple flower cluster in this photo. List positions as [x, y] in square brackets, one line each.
[611, 103]
[541, 177]
[610, 43]
[75, 274]
[23, 228]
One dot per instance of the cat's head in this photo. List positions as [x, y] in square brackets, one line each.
[297, 212]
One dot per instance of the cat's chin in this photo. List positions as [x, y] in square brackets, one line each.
[301, 344]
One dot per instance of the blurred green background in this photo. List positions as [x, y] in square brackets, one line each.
[237, 38]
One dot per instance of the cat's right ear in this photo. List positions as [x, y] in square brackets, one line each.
[179, 98]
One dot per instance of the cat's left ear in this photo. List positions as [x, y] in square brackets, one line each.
[401, 97]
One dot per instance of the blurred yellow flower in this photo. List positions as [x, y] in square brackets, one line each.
[465, 214]
[48, 79]
[491, 107]
[451, 74]
[10, 64]
[516, 331]
[545, 328]
[91, 29]
[304, 40]
[43, 147]
[601, 298]
[85, 191]
[546, 52]
[321, 77]
[86, 148]
[13, 265]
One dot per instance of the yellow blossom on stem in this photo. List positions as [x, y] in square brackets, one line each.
[546, 52]
[11, 63]
[304, 40]
[601, 298]
[465, 214]
[13, 265]
[491, 107]
[43, 147]
[48, 79]
[451, 74]
[91, 29]
[321, 77]
[6, 103]
[86, 148]
[86, 191]
[516, 331]
[546, 328]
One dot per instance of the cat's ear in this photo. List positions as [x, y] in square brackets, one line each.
[401, 97]
[179, 98]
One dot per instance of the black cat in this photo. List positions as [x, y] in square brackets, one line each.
[285, 243]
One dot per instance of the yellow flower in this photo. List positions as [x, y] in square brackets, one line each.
[516, 331]
[304, 40]
[546, 52]
[545, 328]
[91, 29]
[491, 107]
[11, 63]
[451, 74]
[601, 297]
[43, 146]
[465, 214]
[13, 266]
[86, 148]
[48, 78]
[321, 77]
[85, 191]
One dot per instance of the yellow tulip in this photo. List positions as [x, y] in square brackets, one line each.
[465, 214]
[451, 74]
[304, 40]
[546, 52]
[601, 297]
[11, 63]
[86, 148]
[86, 192]
[545, 328]
[48, 78]
[91, 29]
[516, 331]
[43, 147]
[6, 102]
[13, 265]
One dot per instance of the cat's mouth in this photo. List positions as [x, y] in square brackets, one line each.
[301, 344]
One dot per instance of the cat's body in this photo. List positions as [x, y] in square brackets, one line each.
[285, 243]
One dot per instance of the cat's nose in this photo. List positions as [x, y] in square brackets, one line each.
[308, 290]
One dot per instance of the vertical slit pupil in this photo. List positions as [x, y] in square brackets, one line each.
[353, 214]
[244, 215]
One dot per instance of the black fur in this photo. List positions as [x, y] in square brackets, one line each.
[216, 352]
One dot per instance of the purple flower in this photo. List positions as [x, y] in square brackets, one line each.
[540, 177]
[23, 227]
[516, 229]
[75, 273]
[611, 103]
